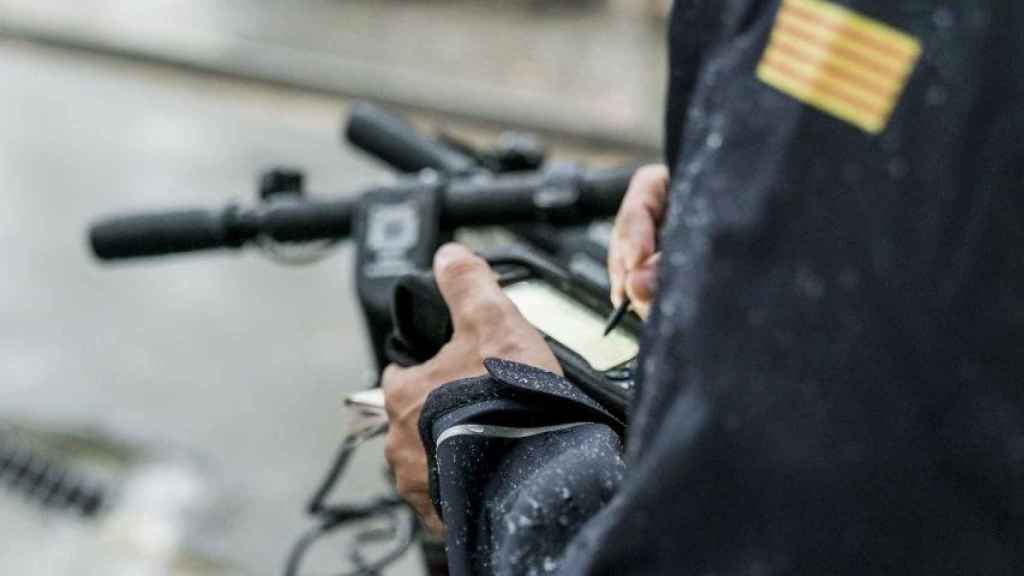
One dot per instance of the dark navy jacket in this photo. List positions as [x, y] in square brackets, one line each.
[833, 373]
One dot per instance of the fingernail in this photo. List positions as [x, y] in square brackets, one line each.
[615, 291]
[652, 260]
[447, 253]
[636, 253]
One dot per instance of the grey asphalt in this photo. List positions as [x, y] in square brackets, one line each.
[238, 360]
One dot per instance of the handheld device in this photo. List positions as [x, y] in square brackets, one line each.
[568, 311]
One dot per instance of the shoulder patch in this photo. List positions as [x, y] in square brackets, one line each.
[840, 62]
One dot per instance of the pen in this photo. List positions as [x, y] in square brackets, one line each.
[616, 316]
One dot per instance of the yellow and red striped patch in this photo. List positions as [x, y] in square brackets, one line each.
[840, 62]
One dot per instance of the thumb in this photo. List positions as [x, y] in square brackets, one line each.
[470, 288]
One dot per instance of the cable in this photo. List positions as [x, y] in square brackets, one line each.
[362, 567]
[334, 517]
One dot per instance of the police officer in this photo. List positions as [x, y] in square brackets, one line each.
[831, 367]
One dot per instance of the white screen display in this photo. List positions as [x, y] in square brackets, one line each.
[572, 324]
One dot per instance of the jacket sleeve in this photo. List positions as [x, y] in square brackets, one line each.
[519, 460]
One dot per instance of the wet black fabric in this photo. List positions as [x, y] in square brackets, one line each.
[510, 503]
[833, 373]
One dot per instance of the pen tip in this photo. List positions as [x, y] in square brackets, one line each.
[615, 318]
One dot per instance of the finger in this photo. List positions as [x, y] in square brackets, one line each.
[641, 283]
[642, 210]
[616, 274]
[636, 238]
[649, 188]
[391, 375]
[635, 230]
[470, 288]
[392, 383]
[641, 309]
[428, 516]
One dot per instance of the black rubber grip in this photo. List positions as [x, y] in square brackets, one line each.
[530, 198]
[307, 220]
[601, 191]
[157, 234]
[491, 202]
[396, 142]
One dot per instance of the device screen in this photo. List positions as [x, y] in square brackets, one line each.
[572, 324]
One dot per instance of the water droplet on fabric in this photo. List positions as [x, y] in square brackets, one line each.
[679, 259]
[699, 215]
[898, 168]
[943, 18]
[809, 283]
[936, 95]
[668, 307]
[650, 367]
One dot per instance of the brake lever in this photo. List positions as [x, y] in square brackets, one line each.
[367, 416]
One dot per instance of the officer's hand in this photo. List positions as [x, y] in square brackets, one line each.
[632, 256]
[486, 325]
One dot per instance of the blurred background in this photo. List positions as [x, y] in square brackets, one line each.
[187, 407]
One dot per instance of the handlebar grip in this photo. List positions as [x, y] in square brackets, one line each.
[396, 142]
[601, 191]
[533, 197]
[156, 234]
[307, 220]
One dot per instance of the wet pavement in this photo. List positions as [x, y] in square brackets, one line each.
[239, 361]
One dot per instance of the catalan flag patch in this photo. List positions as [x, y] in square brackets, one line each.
[838, 61]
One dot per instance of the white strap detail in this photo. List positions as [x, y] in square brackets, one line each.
[502, 431]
